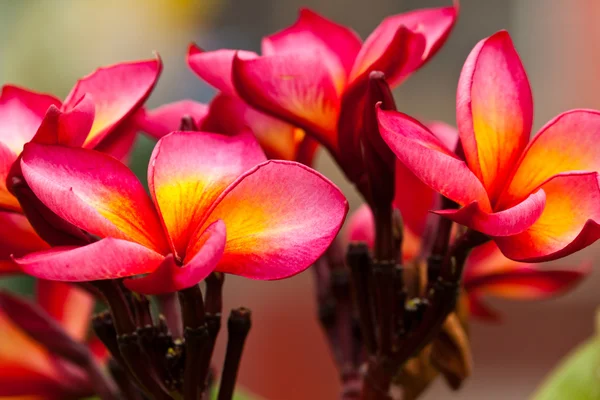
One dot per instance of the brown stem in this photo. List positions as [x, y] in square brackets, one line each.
[214, 306]
[169, 307]
[359, 261]
[238, 327]
[196, 339]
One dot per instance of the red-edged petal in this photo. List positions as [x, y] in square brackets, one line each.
[17, 238]
[446, 133]
[117, 91]
[494, 111]
[280, 217]
[67, 128]
[279, 85]
[419, 34]
[569, 221]
[21, 112]
[361, 228]
[94, 192]
[214, 67]
[231, 115]
[167, 118]
[479, 309]
[567, 143]
[432, 162]
[488, 259]
[187, 173]
[337, 44]
[120, 141]
[106, 259]
[7, 159]
[528, 283]
[69, 305]
[502, 223]
[170, 277]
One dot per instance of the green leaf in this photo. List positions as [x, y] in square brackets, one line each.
[577, 377]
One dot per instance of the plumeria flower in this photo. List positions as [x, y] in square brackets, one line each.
[215, 204]
[230, 115]
[95, 114]
[29, 369]
[487, 271]
[538, 200]
[313, 74]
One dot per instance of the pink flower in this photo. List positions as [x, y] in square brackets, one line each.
[216, 204]
[538, 200]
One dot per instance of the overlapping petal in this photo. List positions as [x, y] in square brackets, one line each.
[7, 200]
[189, 170]
[280, 217]
[69, 305]
[170, 277]
[427, 157]
[21, 112]
[280, 85]
[67, 128]
[430, 27]
[214, 67]
[94, 192]
[568, 223]
[17, 238]
[231, 115]
[567, 143]
[167, 118]
[494, 111]
[337, 44]
[106, 259]
[117, 91]
[507, 222]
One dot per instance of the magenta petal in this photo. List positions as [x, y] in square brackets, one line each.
[502, 223]
[106, 259]
[337, 44]
[21, 112]
[430, 160]
[167, 118]
[214, 67]
[67, 128]
[170, 277]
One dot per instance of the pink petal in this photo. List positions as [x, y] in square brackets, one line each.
[7, 159]
[94, 192]
[446, 133]
[528, 284]
[279, 85]
[17, 238]
[337, 44]
[567, 143]
[494, 111]
[67, 128]
[427, 157]
[120, 141]
[231, 115]
[117, 91]
[187, 173]
[488, 259]
[479, 309]
[69, 305]
[502, 223]
[21, 112]
[170, 277]
[280, 216]
[167, 118]
[568, 224]
[429, 27]
[106, 259]
[214, 67]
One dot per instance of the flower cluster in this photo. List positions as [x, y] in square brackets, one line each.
[231, 191]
